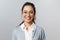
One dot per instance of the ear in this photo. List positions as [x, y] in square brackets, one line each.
[21, 14]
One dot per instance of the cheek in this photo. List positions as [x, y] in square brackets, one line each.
[23, 16]
[32, 15]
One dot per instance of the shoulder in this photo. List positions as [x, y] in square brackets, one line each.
[41, 32]
[17, 28]
[39, 29]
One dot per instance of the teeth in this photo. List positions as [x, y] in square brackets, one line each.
[28, 18]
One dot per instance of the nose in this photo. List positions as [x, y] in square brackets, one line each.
[28, 14]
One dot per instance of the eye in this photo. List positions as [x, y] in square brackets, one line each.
[31, 12]
[25, 12]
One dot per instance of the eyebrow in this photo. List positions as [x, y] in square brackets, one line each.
[26, 10]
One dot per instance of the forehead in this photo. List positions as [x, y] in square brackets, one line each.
[28, 7]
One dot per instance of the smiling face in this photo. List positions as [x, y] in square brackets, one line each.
[28, 13]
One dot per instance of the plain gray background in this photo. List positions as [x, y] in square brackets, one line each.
[47, 16]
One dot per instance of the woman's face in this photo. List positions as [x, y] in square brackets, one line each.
[28, 14]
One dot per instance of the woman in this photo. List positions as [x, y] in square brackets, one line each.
[28, 30]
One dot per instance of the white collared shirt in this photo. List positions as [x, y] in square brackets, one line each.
[28, 34]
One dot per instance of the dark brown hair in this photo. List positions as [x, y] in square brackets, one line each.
[33, 6]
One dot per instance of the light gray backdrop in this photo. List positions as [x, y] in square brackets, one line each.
[47, 16]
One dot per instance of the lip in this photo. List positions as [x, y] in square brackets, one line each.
[28, 18]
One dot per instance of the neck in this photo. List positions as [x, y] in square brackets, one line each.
[27, 24]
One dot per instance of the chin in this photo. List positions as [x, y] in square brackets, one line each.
[28, 21]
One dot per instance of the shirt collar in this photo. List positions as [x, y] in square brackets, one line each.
[33, 27]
